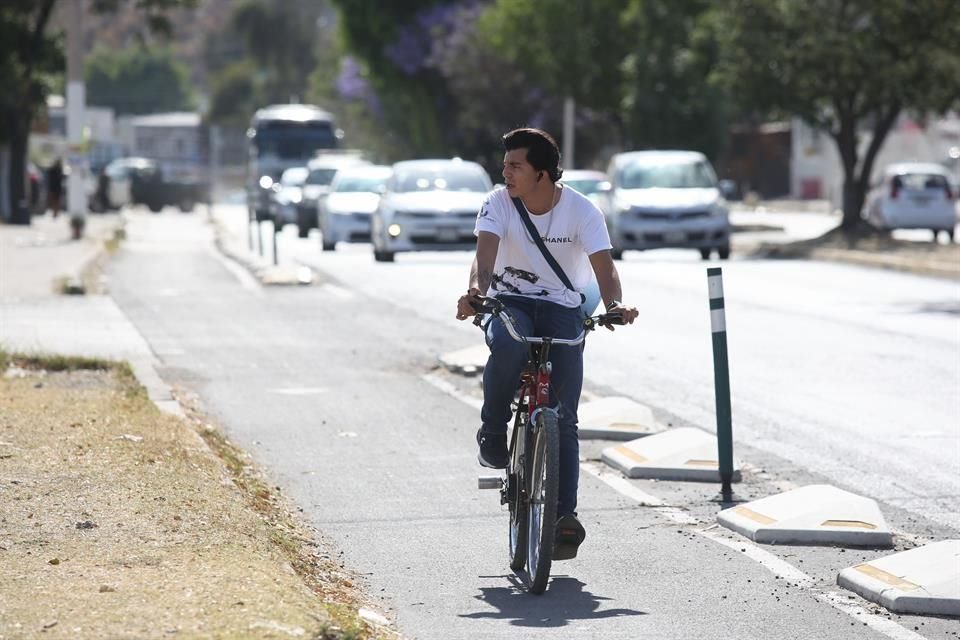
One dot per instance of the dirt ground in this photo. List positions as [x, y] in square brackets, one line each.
[117, 520]
[875, 249]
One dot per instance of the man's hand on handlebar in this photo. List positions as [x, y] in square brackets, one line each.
[617, 314]
[467, 304]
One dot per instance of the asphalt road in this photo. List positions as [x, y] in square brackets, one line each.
[838, 373]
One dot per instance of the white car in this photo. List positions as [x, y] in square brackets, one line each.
[287, 198]
[344, 212]
[429, 205]
[913, 196]
[662, 199]
[323, 169]
[590, 183]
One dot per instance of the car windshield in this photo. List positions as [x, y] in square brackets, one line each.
[919, 181]
[440, 179]
[586, 187]
[293, 177]
[322, 177]
[687, 175]
[294, 140]
[359, 184]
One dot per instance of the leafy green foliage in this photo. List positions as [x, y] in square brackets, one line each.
[842, 65]
[137, 80]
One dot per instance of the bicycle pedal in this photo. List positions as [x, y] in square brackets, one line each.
[489, 482]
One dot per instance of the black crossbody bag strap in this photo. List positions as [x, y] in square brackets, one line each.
[532, 230]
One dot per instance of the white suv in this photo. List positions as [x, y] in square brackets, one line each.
[665, 199]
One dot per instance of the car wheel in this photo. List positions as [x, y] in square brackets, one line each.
[186, 205]
[156, 207]
[616, 253]
[950, 235]
[705, 253]
[328, 246]
[383, 256]
[303, 231]
[724, 253]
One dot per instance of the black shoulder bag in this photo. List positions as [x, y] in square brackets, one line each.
[532, 230]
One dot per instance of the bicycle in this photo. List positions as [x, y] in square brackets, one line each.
[530, 484]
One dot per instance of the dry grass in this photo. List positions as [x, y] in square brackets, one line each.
[120, 521]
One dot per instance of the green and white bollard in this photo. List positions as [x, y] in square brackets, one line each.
[721, 379]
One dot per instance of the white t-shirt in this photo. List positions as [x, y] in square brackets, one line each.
[572, 231]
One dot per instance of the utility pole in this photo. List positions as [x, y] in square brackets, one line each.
[76, 103]
[569, 112]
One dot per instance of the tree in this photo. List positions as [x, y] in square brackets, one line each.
[137, 80]
[667, 99]
[570, 49]
[394, 42]
[844, 66]
[32, 55]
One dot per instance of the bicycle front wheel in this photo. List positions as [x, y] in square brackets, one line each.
[542, 505]
[516, 498]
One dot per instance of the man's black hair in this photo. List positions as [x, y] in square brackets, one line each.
[542, 151]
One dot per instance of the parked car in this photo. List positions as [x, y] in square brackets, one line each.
[344, 213]
[322, 170]
[665, 199]
[590, 183]
[113, 186]
[913, 196]
[428, 205]
[287, 198]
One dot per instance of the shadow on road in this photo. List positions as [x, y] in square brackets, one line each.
[565, 600]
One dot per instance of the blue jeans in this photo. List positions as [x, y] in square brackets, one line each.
[507, 359]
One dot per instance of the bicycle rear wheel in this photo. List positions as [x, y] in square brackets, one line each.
[516, 498]
[544, 485]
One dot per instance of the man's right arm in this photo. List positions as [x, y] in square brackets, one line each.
[481, 272]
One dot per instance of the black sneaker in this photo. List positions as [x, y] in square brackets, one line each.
[493, 450]
[568, 538]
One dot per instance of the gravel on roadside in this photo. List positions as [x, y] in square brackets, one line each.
[118, 520]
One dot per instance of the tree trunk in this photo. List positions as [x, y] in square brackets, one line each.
[19, 206]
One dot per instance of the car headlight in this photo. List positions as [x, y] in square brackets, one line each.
[266, 182]
[296, 198]
[393, 230]
[719, 209]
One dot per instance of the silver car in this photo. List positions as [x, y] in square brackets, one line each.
[662, 199]
[345, 211]
[429, 205]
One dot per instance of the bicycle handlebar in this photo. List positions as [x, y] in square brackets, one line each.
[499, 310]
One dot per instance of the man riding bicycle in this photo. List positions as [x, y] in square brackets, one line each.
[540, 283]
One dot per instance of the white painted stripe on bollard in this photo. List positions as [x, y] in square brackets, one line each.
[715, 286]
[718, 321]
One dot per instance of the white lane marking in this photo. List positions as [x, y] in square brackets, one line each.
[339, 291]
[879, 624]
[298, 391]
[246, 280]
[452, 390]
[777, 566]
[735, 541]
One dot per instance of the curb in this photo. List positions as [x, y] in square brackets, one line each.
[924, 581]
[816, 514]
[266, 274]
[684, 453]
[866, 259]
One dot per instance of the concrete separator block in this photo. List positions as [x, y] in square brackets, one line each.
[616, 418]
[468, 362]
[684, 453]
[924, 581]
[815, 514]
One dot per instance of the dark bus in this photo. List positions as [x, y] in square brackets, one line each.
[283, 136]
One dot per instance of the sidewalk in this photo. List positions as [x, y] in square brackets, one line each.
[122, 520]
[36, 259]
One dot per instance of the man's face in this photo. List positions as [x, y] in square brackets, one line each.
[518, 174]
